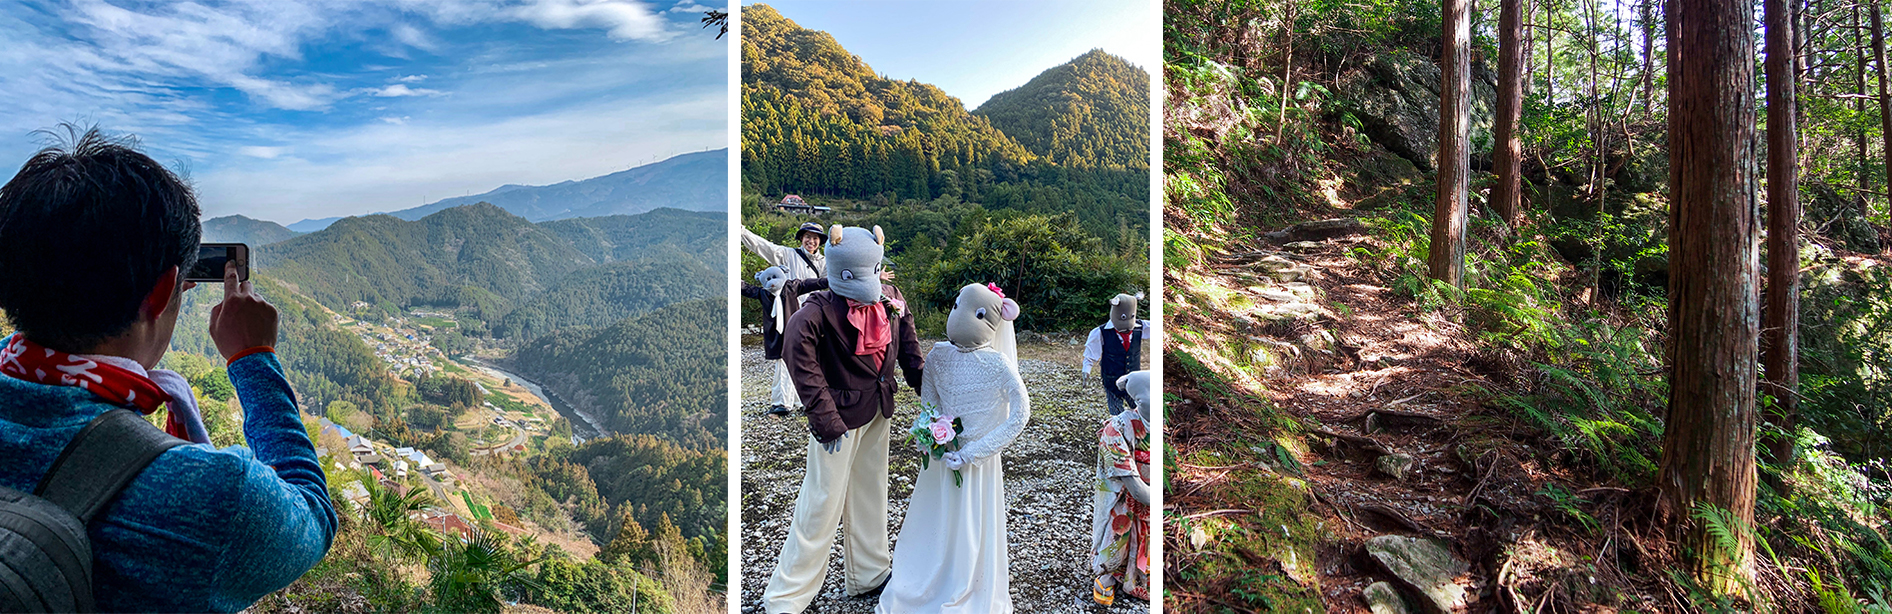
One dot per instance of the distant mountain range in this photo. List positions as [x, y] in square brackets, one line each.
[239, 229]
[691, 182]
[487, 261]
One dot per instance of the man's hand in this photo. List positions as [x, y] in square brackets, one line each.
[243, 320]
[886, 275]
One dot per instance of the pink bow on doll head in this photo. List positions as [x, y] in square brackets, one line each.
[995, 289]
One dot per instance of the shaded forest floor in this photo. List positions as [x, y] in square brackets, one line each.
[1293, 404]
[1412, 371]
[1048, 474]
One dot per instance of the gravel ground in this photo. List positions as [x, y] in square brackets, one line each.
[1048, 473]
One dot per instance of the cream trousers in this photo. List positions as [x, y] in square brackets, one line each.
[845, 489]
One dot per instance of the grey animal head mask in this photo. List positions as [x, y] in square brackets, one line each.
[1123, 311]
[771, 278]
[975, 317]
[854, 256]
[1137, 385]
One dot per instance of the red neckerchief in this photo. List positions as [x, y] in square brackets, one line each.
[871, 320]
[25, 360]
[1124, 335]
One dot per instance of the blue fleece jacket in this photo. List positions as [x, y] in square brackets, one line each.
[202, 529]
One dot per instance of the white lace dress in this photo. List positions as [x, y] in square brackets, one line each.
[951, 552]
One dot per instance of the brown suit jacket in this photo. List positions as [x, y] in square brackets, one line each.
[839, 390]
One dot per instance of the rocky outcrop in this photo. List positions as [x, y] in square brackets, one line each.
[1382, 598]
[1425, 567]
[1396, 99]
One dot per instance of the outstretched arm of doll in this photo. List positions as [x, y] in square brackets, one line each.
[1134, 485]
[1014, 424]
[1093, 349]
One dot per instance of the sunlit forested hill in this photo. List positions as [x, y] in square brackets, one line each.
[1092, 111]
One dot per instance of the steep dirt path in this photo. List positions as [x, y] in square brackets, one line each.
[1366, 375]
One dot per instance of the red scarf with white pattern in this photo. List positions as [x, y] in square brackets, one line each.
[23, 359]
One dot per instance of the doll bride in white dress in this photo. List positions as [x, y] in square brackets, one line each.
[951, 553]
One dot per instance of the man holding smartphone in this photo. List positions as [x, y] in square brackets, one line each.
[95, 241]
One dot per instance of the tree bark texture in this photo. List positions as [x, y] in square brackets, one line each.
[1508, 196]
[1447, 257]
[1879, 72]
[1780, 323]
[1708, 439]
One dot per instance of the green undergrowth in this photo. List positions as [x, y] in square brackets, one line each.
[1261, 555]
[1596, 392]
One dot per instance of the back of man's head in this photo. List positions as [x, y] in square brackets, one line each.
[87, 228]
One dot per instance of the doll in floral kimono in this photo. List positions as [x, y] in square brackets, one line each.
[1120, 525]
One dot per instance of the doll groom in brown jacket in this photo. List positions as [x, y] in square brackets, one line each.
[841, 349]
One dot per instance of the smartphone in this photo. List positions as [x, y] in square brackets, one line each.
[211, 258]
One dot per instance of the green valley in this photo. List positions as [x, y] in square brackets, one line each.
[554, 387]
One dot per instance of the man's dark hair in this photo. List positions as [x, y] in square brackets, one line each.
[86, 229]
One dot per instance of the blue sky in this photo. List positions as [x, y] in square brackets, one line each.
[976, 48]
[292, 110]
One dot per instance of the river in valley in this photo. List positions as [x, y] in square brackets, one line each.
[583, 426]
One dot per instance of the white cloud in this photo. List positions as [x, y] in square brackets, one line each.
[414, 37]
[691, 7]
[411, 78]
[624, 20]
[398, 121]
[390, 166]
[401, 89]
[266, 153]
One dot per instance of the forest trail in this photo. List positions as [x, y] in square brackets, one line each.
[1372, 385]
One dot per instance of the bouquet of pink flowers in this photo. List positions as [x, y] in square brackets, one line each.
[934, 434]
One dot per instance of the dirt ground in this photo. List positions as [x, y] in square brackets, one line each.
[1048, 473]
[1421, 381]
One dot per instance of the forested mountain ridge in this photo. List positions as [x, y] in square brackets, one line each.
[603, 295]
[1090, 111]
[694, 181]
[482, 259]
[240, 229]
[699, 234]
[815, 115]
[392, 263]
[660, 372]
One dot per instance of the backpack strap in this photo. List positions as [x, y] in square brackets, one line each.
[806, 259]
[101, 461]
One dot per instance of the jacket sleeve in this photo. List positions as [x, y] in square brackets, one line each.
[794, 289]
[799, 354]
[769, 252]
[912, 362]
[284, 510]
[1093, 349]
